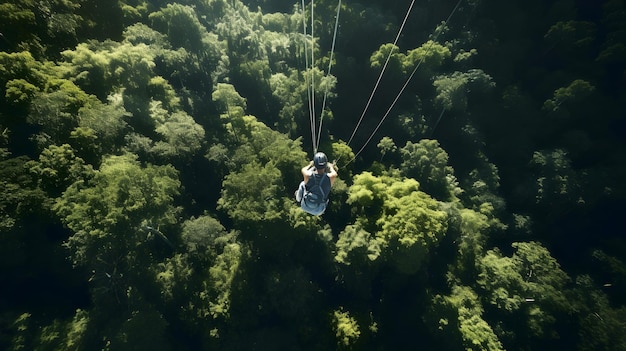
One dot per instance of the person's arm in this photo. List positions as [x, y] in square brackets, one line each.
[305, 171]
[333, 173]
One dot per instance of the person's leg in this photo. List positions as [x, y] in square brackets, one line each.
[300, 192]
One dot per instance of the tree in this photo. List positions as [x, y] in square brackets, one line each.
[107, 121]
[55, 110]
[569, 97]
[253, 194]
[453, 90]
[556, 181]
[58, 167]
[379, 57]
[111, 217]
[140, 33]
[354, 244]
[182, 27]
[571, 37]
[59, 335]
[143, 327]
[342, 153]
[230, 103]
[427, 162]
[412, 225]
[459, 318]
[600, 325]
[386, 145]
[41, 28]
[407, 222]
[346, 328]
[291, 90]
[183, 137]
[89, 69]
[431, 55]
[201, 235]
[528, 285]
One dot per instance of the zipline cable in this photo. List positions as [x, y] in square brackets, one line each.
[408, 80]
[306, 77]
[432, 132]
[313, 76]
[380, 76]
[330, 64]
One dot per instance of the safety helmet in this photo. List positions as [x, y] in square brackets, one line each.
[320, 160]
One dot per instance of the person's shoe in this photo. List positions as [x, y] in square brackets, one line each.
[298, 195]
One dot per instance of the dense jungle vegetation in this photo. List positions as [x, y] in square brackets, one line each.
[149, 151]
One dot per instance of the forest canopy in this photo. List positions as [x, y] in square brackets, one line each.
[149, 151]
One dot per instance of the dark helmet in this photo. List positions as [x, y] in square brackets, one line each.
[320, 160]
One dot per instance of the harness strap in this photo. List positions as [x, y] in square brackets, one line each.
[320, 185]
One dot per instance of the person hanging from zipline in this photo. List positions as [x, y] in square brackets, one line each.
[319, 176]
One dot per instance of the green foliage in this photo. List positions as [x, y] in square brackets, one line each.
[159, 89]
[570, 37]
[89, 69]
[431, 55]
[342, 153]
[261, 168]
[140, 33]
[378, 58]
[201, 234]
[98, 93]
[570, 96]
[107, 121]
[133, 14]
[55, 111]
[142, 328]
[43, 28]
[19, 91]
[205, 273]
[407, 222]
[21, 197]
[56, 336]
[230, 103]
[499, 277]
[556, 181]
[221, 278]
[58, 167]
[354, 244]
[105, 68]
[253, 194]
[199, 283]
[386, 145]
[411, 227]
[290, 89]
[183, 136]
[76, 330]
[346, 328]
[181, 25]
[241, 32]
[452, 90]
[464, 315]
[427, 162]
[107, 215]
[366, 190]
[600, 325]
[21, 65]
[530, 277]
[21, 339]
[17, 13]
